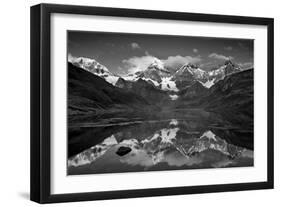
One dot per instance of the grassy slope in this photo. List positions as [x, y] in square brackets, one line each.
[90, 94]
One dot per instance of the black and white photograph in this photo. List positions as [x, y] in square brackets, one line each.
[147, 102]
[142, 102]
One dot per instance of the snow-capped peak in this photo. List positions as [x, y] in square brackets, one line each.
[193, 70]
[157, 64]
[94, 67]
[226, 69]
[88, 64]
[209, 135]
[155, 73]
[189, 65]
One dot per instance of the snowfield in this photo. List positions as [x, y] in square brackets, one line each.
[111, 79]
[209, 83]
[168, 85]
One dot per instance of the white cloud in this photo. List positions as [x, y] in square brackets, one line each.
[228, 48]
[220, 57]
[134, 64]
[209, 65]
[195, 50]
[178, 60]
[135, 45]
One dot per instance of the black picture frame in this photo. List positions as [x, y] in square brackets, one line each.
[40, 175]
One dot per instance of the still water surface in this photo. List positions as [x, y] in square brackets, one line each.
[186, 140]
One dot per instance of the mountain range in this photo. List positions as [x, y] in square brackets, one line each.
[156, 73]
[93, 89]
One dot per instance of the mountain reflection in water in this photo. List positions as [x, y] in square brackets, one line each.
[162, 145]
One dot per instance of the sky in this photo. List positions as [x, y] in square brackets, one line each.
[124, 53]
